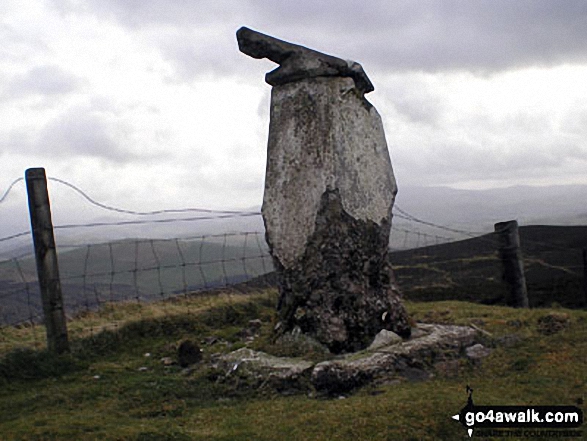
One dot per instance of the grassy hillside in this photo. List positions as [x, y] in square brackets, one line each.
[109, 389]
[470, 269]
[467, 270]
[106, 272]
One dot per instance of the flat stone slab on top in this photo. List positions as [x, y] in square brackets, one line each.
[413, 359]
[298, 62]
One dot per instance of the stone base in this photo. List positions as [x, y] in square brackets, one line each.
[412, 359]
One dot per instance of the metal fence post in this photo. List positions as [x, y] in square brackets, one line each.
[46, 258]
[513, 264]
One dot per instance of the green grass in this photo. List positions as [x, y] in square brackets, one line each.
[100, 392]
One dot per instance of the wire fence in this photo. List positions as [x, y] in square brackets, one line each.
[431, 262]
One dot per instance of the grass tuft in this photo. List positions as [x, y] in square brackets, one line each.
[108, 389]
[28, 364]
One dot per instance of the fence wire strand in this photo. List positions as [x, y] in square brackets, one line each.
[148, 270]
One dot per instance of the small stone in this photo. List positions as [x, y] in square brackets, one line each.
[384, 338]
[417, 332]
[147, 354]
[167, 361]
[413, 360]
[477, 352]
[255, 323]
[143, 369]
[96, 377]
[188, 353]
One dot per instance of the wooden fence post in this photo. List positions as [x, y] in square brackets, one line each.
[513, 264]
[46, 258]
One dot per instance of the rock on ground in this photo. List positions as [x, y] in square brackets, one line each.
[414, 359]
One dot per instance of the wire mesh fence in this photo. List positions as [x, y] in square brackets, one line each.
[105, 283]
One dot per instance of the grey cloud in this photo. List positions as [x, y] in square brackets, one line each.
[45, 80]
[414, 101]
[428, 35]
[482, 35]
[81, 131]
[78, 133]
[140, 13]
[17, 46]
[445, 162]
[194, 55]
[575, 123]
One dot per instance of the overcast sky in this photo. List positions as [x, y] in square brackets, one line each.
[148, 104]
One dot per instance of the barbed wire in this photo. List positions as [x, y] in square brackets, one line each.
[12, 184]
[220, 260]
[14, 236]
[148, 213]
[155, 221]
[197, 269]
[407, 216]
[217, 214]
[161, 273]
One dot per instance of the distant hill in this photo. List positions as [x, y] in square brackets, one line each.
[463, 269]
[479, 210]
[142, 270]
[470, 210]
[471, 270]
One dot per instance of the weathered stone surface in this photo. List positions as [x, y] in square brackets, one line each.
[341, 291]
[167, 361]
[329, 192]
[255, 324]
[323, 140]
[298, 62]
[384, 338]
[260, 368]
[415, 359]
[477, 352]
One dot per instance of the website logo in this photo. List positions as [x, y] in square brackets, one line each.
[527, 420]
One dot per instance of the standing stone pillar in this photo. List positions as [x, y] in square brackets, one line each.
[329, 192]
